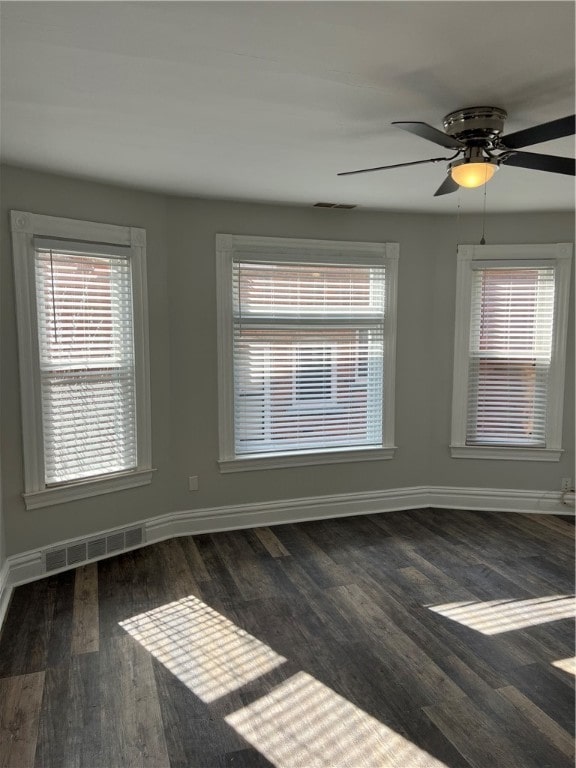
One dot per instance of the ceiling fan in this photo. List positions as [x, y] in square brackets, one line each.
[476, 135]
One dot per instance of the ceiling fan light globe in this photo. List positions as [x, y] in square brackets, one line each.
[473, 175]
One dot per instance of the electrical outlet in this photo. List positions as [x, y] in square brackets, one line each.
[566, 484]
[193, 483]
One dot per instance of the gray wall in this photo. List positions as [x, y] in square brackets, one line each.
[182, 295]
[2, 536]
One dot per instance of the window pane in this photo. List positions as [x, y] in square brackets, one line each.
[509, 402]
[89, 424]
[299, 389]
[84, 306]
[315, 290]
[510, 354]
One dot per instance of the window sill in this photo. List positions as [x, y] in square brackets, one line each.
[512, 453]
[84, 489]
[312, 458]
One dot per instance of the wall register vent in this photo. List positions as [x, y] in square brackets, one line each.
[92, 548]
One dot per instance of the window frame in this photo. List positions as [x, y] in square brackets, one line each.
[557, 255]
[25, 227]
[228, 247]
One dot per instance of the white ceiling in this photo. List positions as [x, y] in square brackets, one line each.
[267, 101]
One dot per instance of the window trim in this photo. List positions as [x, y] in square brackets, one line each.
[469, 258]
[25, 226]
[282, 248]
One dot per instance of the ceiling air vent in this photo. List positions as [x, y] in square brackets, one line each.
[333, 205]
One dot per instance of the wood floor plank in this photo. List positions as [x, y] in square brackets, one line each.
[420, 730]
[221, 584]
[253, 575]
[69, 735]
[554, 526]
[25, 633]
[131, 719]
[483, 540]
[556, 567]
[404, 659]
[476, 736]
[86, 628]
[548, 727]
[550, 692]
[242, 758]
[124, 590]
[20, 701]
[59, 628]
[522, 573]
[194, 736]
[176, 579]
[271, 542]
[319, 566]
[197, 568]
[518, 723]
[314, 599]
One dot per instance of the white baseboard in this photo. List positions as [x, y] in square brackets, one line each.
[5, 590]
[28, 566]
[287, 511]
[499, 500]
[18, 569]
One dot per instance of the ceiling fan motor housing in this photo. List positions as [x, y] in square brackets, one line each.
[481, 124]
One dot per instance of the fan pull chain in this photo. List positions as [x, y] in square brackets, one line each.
[458, 220]
[483, 240]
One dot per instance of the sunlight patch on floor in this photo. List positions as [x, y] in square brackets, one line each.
[206, 651]
[492, 617]
[566, 665]
[300, 723]
[304, 723]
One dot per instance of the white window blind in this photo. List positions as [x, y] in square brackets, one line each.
[86, 352]
[307, 356]
[511, 334]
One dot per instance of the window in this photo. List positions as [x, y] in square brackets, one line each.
[82, 320]
[306, 351]
[511, 319]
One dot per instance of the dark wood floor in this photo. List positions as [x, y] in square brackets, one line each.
[412, 640]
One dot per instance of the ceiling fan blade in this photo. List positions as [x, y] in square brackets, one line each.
[537, 162]
[396, 165]
[426, 131]
[447, 186]
[555, 129]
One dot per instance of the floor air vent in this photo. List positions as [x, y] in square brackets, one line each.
[55, 559]
[115, 542]
[91, 549]
[133, 537]
[96, 548]
[76, 553]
